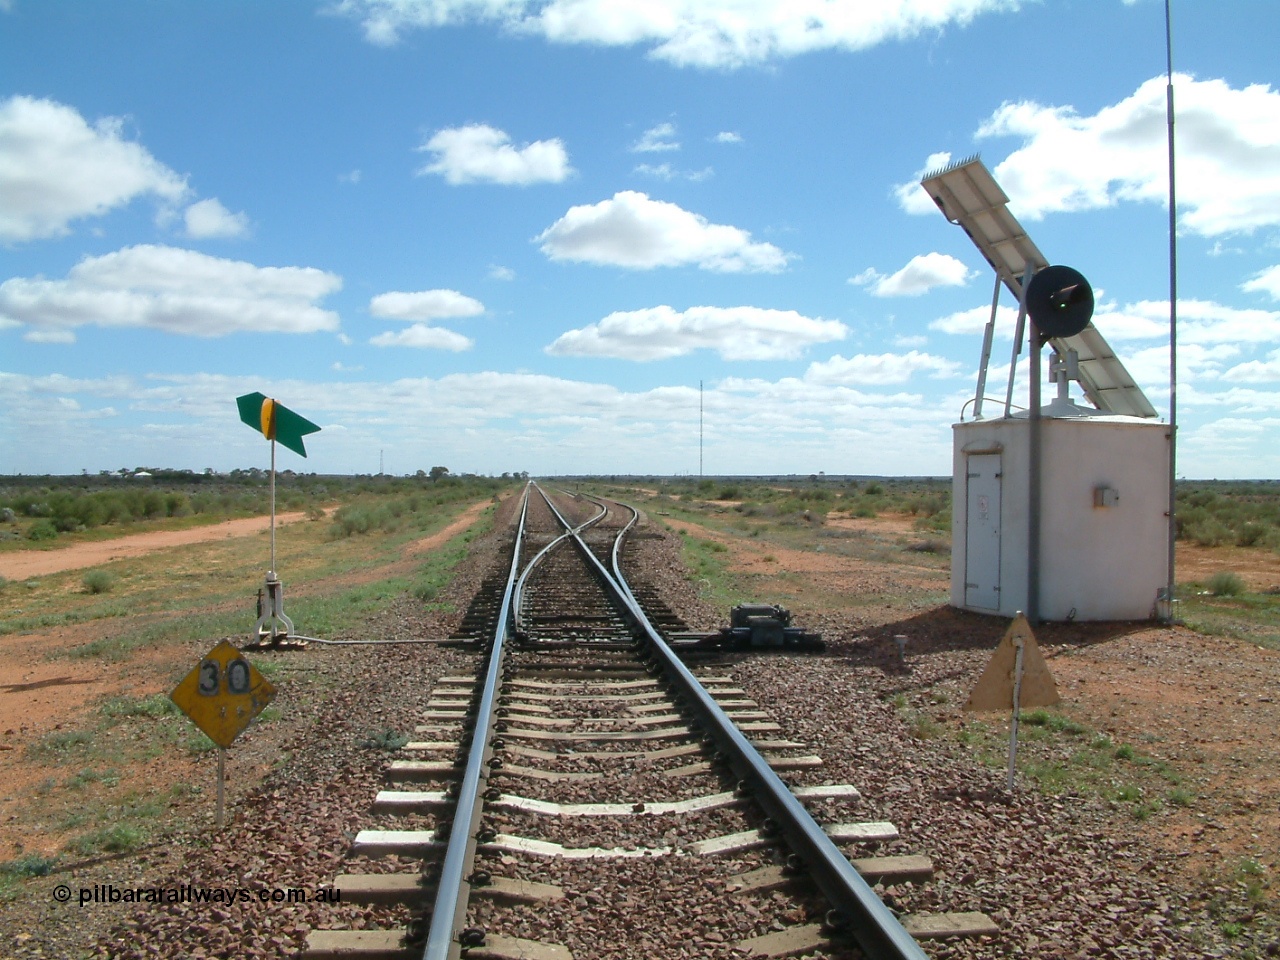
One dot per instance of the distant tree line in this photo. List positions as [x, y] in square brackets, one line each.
[43, 507]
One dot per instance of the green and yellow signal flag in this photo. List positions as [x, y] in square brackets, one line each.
[275, 421]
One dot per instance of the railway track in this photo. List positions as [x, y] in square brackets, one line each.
[586, 784]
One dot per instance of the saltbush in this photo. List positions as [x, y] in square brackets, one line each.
[42, 530]
[1224, 583]
[98, 581]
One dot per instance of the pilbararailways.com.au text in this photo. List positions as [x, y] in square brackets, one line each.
[189, 893]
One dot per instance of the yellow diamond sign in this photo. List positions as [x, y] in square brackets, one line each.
[223, 694]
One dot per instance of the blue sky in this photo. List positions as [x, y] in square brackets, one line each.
[502, 235]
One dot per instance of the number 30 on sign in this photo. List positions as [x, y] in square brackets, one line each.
[223, 694]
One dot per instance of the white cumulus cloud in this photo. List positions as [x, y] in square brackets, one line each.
[478, 153]
[919, 276]
[665, 171]
[974, 321]
[880, 369]
[209, 218]
[55, 168]
[659, 139]
[1228, 143]
[1255, 371]
[425, 337]
[631, 230]
[700, 33]
[171, 289]
[1196, 362]
[1199, 322]
[49, 336]
[1268, 282]
[424, 305]
[736, 333]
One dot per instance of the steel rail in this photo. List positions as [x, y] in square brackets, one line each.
[518, 602]
[864, 917]
[859, 912]
[449, 911]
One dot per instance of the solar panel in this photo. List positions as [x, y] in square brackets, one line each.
[969, 196]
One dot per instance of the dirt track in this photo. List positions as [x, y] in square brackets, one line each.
[24, 564]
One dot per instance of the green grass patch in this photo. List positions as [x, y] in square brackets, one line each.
[156, 705]
[1060, 755]
[194, 626]
[117, 838]
[1054, 722]
[1128, 793]
[706, 561]
[344, 611]
[1224, 583]
[434, 574]
[89, 776]
[60, 746]
[29, 865]
[98, 581]
[1179, 797]
[14, 872]
[195, 741]
[924, 727]
[72, 820]
[920, 725]
[1146, 809]
[1232, 929]
[385, 739]
[1254, 618]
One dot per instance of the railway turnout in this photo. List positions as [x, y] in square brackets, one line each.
[587, 781]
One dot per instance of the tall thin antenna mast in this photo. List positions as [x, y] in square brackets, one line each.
[1173, 311]
[699, 428]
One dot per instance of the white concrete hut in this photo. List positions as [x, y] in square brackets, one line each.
[1063, 514]
[1103, 515]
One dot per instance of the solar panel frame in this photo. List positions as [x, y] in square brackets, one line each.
[969, 196]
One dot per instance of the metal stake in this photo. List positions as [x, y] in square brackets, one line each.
[1017, 698]
[222, 777]
[273, 507]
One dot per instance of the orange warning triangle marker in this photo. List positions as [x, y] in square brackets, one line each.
[994, 689]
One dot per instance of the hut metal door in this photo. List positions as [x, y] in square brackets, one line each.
[982, 532]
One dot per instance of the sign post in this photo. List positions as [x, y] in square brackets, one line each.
[1020, 644]
[222, 780]
[221, 696]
